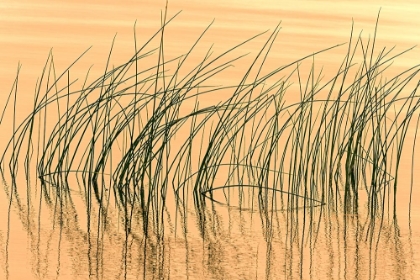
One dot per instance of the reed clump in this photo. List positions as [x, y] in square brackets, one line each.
[141, 136]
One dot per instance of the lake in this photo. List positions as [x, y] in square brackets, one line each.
[194, 156]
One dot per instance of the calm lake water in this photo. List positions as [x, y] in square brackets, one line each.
[285, 226]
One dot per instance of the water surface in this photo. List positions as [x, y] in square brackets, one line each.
[60, 239]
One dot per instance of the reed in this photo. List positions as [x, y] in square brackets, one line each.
[132, 138]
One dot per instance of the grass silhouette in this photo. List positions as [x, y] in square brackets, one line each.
[132, 138]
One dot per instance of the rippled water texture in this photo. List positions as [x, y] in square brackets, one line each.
[217, 176]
